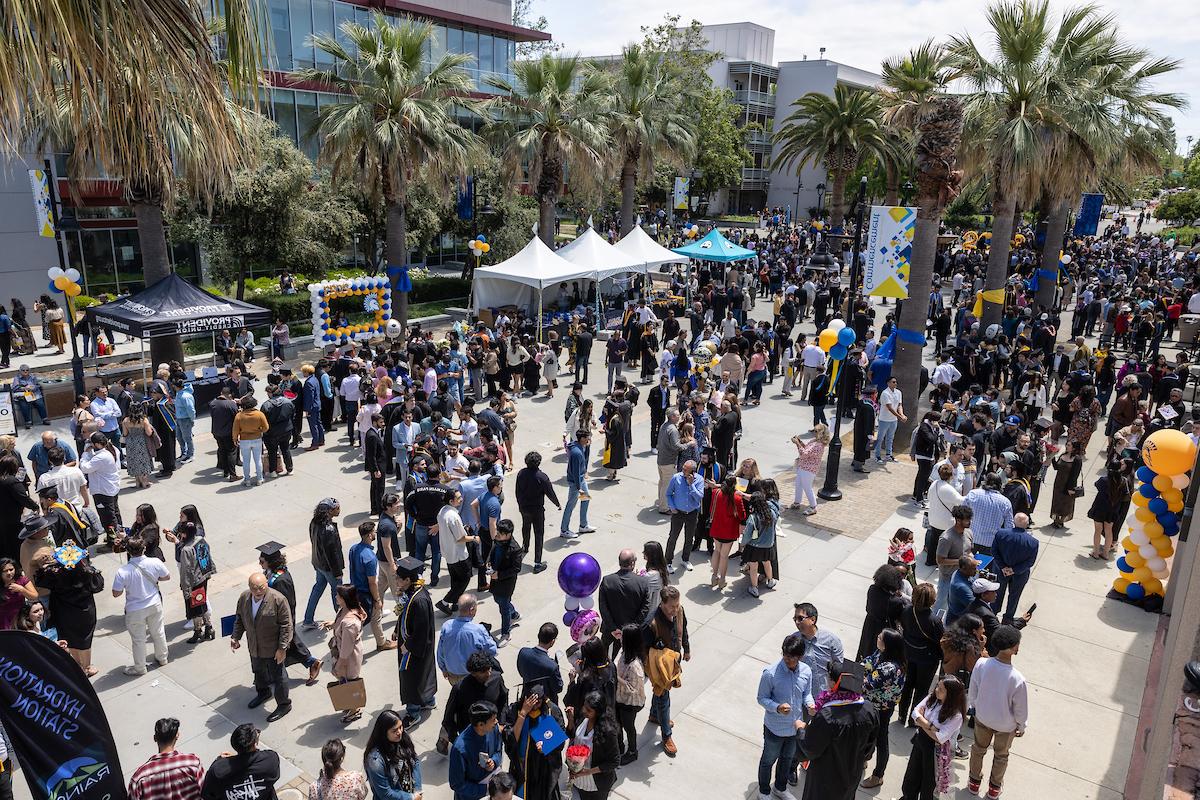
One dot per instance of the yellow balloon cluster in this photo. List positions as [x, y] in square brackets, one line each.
[65, 281]
[970, 240]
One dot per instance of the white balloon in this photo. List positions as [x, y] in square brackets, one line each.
[1139, 537]
[73, 274]
[587, 602]
[1136, 524]
[571, 603]
[1147, 551]
[837, 324]
[55, 272]
[1156, 564]
[1180, 481]
[393, 329]
[1066, 259]
[1161, 574]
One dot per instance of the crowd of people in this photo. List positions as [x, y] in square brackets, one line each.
[434, 423]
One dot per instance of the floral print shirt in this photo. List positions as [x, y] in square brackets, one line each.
[884, 681]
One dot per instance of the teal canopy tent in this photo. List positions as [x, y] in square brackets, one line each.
[715, 247]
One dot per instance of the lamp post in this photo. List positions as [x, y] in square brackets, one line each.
[830, 490]
[820, 200]
[63, 223]
[906, 191]
[468, 270]
[799, 189]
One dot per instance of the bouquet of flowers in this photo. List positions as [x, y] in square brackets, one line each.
[577, 756]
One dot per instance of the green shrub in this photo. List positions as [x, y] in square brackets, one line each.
[1186, 236]
[83, 301]
[426, 290]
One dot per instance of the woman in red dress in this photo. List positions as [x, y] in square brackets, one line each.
[728, 514]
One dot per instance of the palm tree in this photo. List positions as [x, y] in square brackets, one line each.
[646, 120]
[548, 122]
[916, 105]
[1033, 91]
[398, 123]
[838, 131]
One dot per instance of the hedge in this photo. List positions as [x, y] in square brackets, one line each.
[293, 307]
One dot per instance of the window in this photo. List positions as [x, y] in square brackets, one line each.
[302, 28]
[323, 24]
[306, 120]
[281, 34]
[486, 61]
[454, 40]
[285, 112]
[98, 261]
[501, 65]
[470, 46]
[362, 16]
[74, 254]
[184, 256]
[128, 254]
[437, 44]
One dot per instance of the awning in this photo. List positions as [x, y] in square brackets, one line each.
[173, 306]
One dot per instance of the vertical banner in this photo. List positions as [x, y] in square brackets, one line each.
[1088, 220]
[8, 423]
[680, 200]
[39, 181]
[889, 251]
[55, 721]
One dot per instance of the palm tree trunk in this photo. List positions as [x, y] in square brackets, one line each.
[1056, 226]
[156, 265]
[891, 196]
[397, 254]
[906, 366]
[547, 191]
[628, 188]
[1004, 204]
[837, 204]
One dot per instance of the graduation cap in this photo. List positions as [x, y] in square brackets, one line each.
[409, 567]
[848, 674]
[270, 548]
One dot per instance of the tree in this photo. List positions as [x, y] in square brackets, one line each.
[399, 124]
[1180, 208]
[275, 213]
[720, 144]
[838, 131]
[918, 108]
[644, 120]
[522, 16]
[548, 120]
[685, 48]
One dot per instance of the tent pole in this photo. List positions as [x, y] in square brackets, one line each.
[214, 347]
[539, 315]
[142, 342]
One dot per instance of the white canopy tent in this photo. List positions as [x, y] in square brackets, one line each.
[638, 245]
[590, 250]
[521, 279]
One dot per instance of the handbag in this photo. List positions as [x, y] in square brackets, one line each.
[1077, 491]
[198, 597]
[347, 695]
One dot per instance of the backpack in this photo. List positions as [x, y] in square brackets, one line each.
[204, 560]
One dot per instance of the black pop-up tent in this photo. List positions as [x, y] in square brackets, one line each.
[174, 306]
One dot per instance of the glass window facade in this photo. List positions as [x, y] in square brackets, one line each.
[302, 28]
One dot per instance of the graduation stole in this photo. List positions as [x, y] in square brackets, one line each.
[70, 513]
[402, 609]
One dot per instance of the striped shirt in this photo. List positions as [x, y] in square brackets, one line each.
[168, 776]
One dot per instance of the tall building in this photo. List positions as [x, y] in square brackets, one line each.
[764, 92]
[105, 247]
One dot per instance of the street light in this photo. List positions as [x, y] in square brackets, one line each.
[820, 199]
[799, 189]
[830, 490]
[906, 191]
[65, 222]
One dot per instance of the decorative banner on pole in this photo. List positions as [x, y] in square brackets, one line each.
[8, 423]
[680, 200]
[889, 251]
[1090, 206]
[39, 181]
[55, 722]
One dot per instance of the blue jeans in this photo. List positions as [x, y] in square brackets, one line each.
[884, 438]
[573, 490]
[943, 594]
[251, 456]
[424, 541]
[321, 580]
[1014, 586]
[315, 429]
[778, 752]
[26, 408]
[184, 433]
[754, 384]
[506, 613]
[660, 707]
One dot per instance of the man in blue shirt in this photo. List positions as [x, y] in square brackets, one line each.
[460, 637]
[364, 572]
[685, 493]
[39, 454]
[185, 420]
[27, 391]
[477, 752]
[785, 693]
[489, 516]
[1015, 550]
[961, 593]
[577, 491]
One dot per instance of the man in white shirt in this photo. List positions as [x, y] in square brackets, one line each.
[945, 372]
[108, 414]
[138, 580]
[453, 539]
[811, 358]
[999, 696]
[891, 413]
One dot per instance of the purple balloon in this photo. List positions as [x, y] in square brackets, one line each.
[569, 618]
[579, 574]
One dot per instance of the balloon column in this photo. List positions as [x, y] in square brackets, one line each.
[836, 340]
[64, 281]
[1158, 500]
[579, 577]
[479, 246]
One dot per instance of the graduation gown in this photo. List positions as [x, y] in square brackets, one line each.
[838, 741]
[418, 676]
[281, 581]
[536, 774]
[615, 448]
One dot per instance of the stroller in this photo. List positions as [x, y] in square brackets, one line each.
[23, 342]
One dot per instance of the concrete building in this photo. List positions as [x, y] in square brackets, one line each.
[106, 249]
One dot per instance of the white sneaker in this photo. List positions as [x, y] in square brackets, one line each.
[753, 591]
[688, 566]
[587, 529]
[568, 535]
[772, 583]
[762, 796]
[786, 794]
[654, 451]
[671, 568]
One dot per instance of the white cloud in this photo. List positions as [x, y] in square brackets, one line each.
[863, 32]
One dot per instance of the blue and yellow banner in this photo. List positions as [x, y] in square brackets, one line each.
[889, 251]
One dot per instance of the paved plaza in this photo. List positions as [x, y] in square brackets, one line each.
[1085, 657]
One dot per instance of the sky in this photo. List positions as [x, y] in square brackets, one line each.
[862, 33]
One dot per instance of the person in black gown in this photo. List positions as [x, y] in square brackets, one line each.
[535, 770]
[415, 632]
[274, 565]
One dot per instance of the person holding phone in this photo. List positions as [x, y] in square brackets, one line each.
[476, 754]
